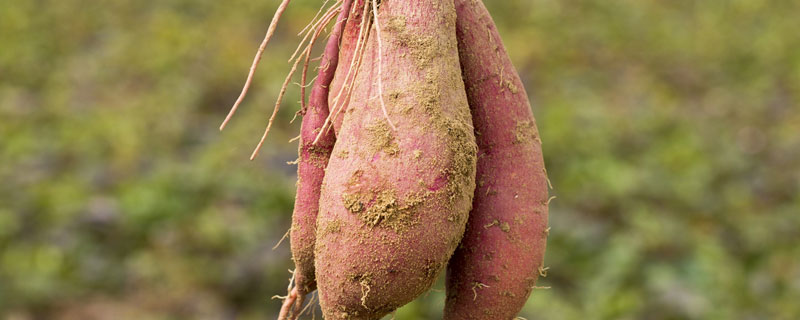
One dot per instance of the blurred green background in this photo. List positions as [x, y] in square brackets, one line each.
[671, 133]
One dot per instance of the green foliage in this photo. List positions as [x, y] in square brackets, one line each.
[670, 131]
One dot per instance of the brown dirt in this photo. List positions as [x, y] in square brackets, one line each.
[381, 138]
[524, 132]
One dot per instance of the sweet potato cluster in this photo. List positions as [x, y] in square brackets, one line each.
[418, 153]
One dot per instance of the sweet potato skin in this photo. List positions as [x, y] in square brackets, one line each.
[311, 170]
[313, 158]
[394, 203]
[493, 271]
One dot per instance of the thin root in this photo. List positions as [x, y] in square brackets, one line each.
[275, 109]
[306, 308]
[326, 19]
[357, 68]
[256, 60]
[477, 285]
[288, 303]
[298, 304]
[364, 294]
[543, 271]
[283, 238]
[380, 72]
[286, 82]
[313, 29]
[289, 299]
[355, 62]
[547, 177]
[313, 19]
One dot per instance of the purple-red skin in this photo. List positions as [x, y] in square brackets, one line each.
[313, 160]
[394, 203]
[492, 273]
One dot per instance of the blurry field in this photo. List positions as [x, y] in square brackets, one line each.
[671, 134]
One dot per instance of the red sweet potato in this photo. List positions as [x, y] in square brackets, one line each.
[313, 158]
[395, 201]
[493, 271]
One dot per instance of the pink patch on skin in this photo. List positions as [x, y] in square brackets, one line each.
[438, 183]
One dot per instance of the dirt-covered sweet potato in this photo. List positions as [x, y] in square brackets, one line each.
[399, 186]
[313, 158]
[492, 273]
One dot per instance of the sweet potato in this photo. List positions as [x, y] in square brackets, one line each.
[395, 201]
[493, 271]
[313, 158]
